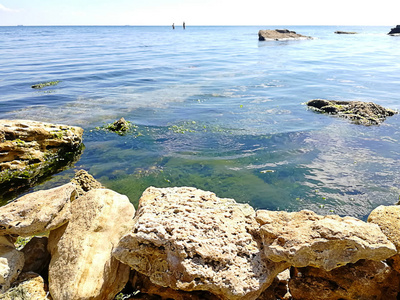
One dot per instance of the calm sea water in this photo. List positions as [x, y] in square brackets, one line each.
[216, 109]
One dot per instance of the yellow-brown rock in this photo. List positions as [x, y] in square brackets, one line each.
[37, 212]
[29, 286]
[364, 280]
[388, 219]
[307, 239]
[82, 266]
[11, 263]
[191, 240]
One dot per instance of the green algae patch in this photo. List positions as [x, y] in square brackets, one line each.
[120, 127]
[45, 84]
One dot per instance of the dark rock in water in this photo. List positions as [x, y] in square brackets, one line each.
[363, 113]
[280, 34]
[119, 126]
[395, 30]
[345, 32]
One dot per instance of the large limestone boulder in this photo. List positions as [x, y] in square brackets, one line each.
[29, 286]
[366, 280]
[280, 35]
[37, 212]
[11, 263]
[358, 112]
[191, 240]
[32, 150]
[82, 266]
[307, 239]
[388, 219]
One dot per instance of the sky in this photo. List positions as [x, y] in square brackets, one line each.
[199, 12]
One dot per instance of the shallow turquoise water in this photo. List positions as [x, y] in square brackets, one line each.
[216, 109]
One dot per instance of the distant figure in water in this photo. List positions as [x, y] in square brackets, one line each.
[173, 25]
[184, 26]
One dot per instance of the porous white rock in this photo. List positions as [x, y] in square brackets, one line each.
[191, 240]
[306, 239]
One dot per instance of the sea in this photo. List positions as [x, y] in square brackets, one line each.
[216, 109]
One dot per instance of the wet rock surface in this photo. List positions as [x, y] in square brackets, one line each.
[280, 35]
[30, 151]
[358, 112]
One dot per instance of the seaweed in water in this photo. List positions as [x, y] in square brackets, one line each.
[44, 84]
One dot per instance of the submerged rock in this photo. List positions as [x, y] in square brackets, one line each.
[363, 113]
[345, 32]
[82, 266]
[120, 126]
[395, 30]
[280, 35]
[31, 151]
[191, 240]
[327, 242]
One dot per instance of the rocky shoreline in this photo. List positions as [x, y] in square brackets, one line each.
[185, 243]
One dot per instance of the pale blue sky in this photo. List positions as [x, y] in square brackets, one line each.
[199, 12]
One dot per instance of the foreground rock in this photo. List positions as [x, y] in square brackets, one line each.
[37, 212]
[367, 280]
[32, 150]
[82, 266]
[395, 30]
[29, 286]
[191, 240]
[327, 242]
[11, 263]
[280, 35]
[363, 113]
[388, 219]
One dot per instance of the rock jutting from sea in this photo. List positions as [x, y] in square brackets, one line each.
[395, 31]
[185, 243]
[358, 112]
[33, 150]
[280, 35]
